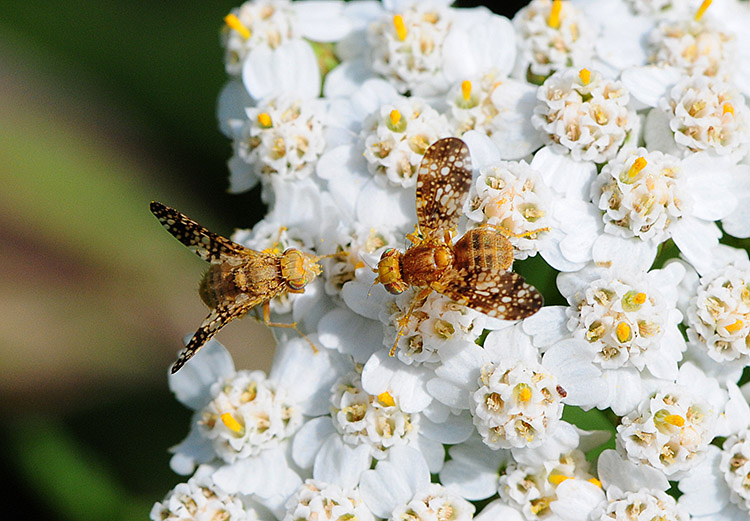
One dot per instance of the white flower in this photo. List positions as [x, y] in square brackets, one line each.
[516, 404]
[423, 47]
[511, 195]
[201, 498]
[581, 113]
[693, 46]
[433, 324]
[514, 400]
[281, 137]
[717, 488]
[397, 135]
[499, 107]
[642, 193]
[670, 431]
[245, 419]
[660, 8]
[632, 492]
[718, 316]
[363, 428]
[618, 327]
[707, 114]
[400, 489]
[316, 500]
[549, 42]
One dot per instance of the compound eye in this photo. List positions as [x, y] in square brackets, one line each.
[388, 252]
[297, 283]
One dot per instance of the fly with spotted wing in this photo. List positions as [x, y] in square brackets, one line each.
[474, 271]
[238, 278]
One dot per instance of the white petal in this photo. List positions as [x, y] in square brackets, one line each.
[473, 469]
[709, 184]
[484, 152]
[394, 481]
[191, 385]
[308, 376]
[704, 490]
[624, 390]
[350, 334]
[432, 451]
[627, 476]
[566, 176]
[407, 384]
[233, 99]
[309, 439]
[449, 393]
[737, 223]
[455, 429]
[648, 84]
[623, 254]
[346, 78]
[386, 207]
[547, 326]
[576, 499]
[498, 510]
[340, 463]
[364, 298]
[322, 21]
[291, 68]
[479, 41]
[657, 134]
[696, 240]
[192, 451]
[571, 362]
[266, 475]
[463, 367]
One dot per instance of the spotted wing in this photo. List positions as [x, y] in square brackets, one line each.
[207, 245]
[443, 183]
[215, 320]
[500, 294]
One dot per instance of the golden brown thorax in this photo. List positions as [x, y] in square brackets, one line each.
[224, 282]
[425, 263]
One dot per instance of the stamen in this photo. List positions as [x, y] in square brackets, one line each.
[395, 117]
[386, 399]
[523, 392]
[674, 419]
[638, 165]
[733, 328]
[466, 89]
[231, 423]
[398, 24]
[556, 479]
[728, 107]
[623, 332]
[264, 120]
[585, 76]
[234, 23]
[702, 10]
[595, 482]
[554, 15]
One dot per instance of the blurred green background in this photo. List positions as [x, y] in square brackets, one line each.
[104, 106]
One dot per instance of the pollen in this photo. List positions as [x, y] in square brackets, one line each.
[702, 10]
[556, 479]
[523, 392]
[674, 419]
[398, 24]
[623, 332]
[728, 108]
[234, 23]
[395, 117]
[232, 423]
[638, 165]
[585, 76]
[466, 89]
[596, 482]
[264, 120]
[554, 14]
[733, 328]
[386, 399]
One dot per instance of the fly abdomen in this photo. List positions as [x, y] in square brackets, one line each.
[483, 249]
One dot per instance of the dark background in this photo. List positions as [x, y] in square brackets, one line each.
[105, 106]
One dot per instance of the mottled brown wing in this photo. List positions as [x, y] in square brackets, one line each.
[500, 294]
[216, 319]
[207, 245]
[443, 183]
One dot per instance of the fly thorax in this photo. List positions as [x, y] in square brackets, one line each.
[298, 269]
[426, 263]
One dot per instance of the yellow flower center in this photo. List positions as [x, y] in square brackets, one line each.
[234, 23]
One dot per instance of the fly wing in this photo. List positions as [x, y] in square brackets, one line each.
[207, 245]
[443, 183]
[216, 319]
[497, 293]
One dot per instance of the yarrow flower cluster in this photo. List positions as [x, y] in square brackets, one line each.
[607, 145]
